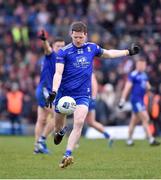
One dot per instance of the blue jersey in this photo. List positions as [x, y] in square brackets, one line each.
[78, 67]
[48, 70]
[139, 81]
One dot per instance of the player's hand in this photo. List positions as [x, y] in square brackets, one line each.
[42, 35]
[134, 49]
[121, 103]
[50, 99]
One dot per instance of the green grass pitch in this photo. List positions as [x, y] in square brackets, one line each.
[93, 159]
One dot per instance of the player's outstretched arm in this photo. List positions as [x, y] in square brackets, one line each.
[125, 93]
[46, 45]
[134, 49]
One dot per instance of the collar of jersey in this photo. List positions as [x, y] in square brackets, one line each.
[83, 45]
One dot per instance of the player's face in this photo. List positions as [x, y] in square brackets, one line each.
[58, 45]
[141, 66]
[78, 38]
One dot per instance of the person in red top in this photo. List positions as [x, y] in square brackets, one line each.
[14, 107]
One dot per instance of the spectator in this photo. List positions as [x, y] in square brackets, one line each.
[153, 105]
[14, 107]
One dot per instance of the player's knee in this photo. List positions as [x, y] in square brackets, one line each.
[90, 123]
[78, 125]
[41, 120]
[77, 130]
[145, 120]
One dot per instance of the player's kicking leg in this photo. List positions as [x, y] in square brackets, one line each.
[79, 117]
[59, 128]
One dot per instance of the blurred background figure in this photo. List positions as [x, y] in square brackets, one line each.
[91, 116]
[14, 108]
[136, 85]
[45, 115]
[105, 104]
[153, 103]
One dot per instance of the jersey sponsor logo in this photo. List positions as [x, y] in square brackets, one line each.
[81, 62]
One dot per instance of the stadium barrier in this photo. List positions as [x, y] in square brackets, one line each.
[118, 132]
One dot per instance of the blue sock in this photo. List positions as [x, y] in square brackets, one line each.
[68, 153]
[106, 135]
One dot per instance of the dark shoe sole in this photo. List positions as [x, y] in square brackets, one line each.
[57, 139]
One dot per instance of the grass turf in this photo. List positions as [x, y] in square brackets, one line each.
[94, 159]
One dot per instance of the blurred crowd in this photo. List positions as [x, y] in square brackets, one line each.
[111, 24]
